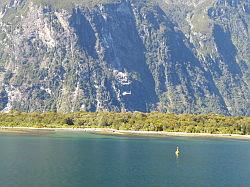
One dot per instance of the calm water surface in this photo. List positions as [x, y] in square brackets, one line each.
[76, 159]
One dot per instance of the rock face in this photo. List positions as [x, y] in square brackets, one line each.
[184, 56]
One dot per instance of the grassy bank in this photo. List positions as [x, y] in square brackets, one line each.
[210, 123]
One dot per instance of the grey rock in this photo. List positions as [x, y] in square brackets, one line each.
[178, 56]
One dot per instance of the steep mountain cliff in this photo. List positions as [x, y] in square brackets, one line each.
[182, 56]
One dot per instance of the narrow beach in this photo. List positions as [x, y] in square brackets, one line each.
[123, 132]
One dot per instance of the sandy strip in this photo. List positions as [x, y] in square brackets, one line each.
[127, 132]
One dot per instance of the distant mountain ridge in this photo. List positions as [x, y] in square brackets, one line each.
[183, 56]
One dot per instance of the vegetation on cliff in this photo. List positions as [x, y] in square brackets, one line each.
[182, 56]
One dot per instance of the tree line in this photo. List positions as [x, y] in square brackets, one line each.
[155, 121]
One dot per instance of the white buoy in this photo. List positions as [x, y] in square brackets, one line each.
[177, 152]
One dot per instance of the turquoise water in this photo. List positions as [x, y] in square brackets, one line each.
[75, 159]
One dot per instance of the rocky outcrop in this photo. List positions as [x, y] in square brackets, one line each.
[130, 55]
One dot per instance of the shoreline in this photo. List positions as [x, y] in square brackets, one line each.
[109, 131]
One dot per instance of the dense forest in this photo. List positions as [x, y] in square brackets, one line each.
[155, 121]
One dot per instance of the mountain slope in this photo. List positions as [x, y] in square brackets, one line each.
[130, 55]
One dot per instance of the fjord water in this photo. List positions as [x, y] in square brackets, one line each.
[77, 159]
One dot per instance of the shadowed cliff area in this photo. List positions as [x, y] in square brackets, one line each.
[177, 57]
